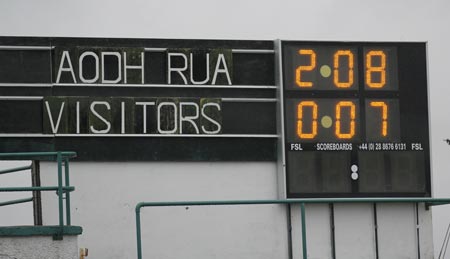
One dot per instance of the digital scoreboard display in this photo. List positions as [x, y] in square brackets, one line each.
[355, 119]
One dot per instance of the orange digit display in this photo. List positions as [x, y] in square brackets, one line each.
[336, 58]
[338, 130]
[384, 116]
[370, 69]
[310, 67]
[300, 132]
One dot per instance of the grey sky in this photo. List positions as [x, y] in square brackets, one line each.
[348, 20]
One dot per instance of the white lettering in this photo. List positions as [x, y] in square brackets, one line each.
[175, 125]
[65, 55]
[188, 118]
[192, 71]
[179, 70]
[126, 67]
[221, 59]
[78, 117]
[50, 117]
[107, 123]
[219, 127]
[122, 113]
[119, 67]
[144, 113]
[95, 78]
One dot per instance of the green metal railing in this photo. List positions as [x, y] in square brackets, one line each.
[61, 189]
[428, 202]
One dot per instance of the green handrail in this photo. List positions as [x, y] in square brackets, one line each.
[36, 188]
[60, 158]
[17, 169]
[16, 201]
[302, 202]
[51, 155]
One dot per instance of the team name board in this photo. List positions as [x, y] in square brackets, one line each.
[126, 99]
[128, 66]
[86, 115]
[135, 65]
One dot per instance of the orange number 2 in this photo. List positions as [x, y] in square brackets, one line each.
[310, 67]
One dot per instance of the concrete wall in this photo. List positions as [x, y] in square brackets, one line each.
[38, 247]
[106, 195]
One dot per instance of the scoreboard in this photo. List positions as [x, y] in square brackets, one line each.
[355, 119]
[342, 119]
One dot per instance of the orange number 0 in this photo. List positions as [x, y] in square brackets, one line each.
[300, 132]
[310, 67]
[336, 81]
[338, 131]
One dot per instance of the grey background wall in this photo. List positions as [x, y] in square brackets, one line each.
[352, 20]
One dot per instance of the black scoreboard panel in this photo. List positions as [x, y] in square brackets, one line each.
[89, 95]
[355, 119]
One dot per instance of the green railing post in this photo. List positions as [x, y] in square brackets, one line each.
[67, 184]
[138, 231]
[60, 195]
[304, 248]
[62, 190]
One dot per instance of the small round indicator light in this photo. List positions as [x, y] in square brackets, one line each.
[326, 121]
[325, 71]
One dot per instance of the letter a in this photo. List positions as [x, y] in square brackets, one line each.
[221, 59]
[65, 55]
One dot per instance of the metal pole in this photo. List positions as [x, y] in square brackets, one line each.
[60, 195]
[305, 252]
[138, 232]
[67, 182]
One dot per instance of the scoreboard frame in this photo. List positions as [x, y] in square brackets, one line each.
[392, 154]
